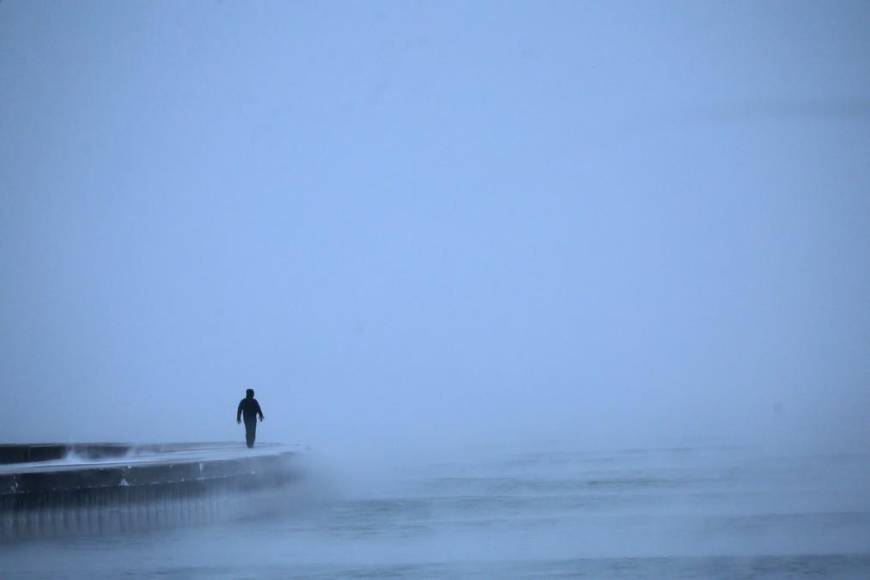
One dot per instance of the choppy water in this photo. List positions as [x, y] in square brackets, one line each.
[675, 513]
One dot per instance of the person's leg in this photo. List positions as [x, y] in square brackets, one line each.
[250, 432]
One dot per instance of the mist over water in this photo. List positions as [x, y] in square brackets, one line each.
[544, 289]
[675, 513]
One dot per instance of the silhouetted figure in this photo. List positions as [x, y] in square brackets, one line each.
[250, 408]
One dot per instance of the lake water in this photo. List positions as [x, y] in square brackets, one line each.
[666, 513]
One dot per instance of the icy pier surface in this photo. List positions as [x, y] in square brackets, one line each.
[52, 489]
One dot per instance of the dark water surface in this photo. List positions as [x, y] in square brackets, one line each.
[674, 513]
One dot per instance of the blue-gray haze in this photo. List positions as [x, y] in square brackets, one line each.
[423, 225]
[564, 289]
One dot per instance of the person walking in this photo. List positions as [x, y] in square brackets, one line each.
[250, 408]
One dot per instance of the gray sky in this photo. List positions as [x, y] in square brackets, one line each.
[410, 223]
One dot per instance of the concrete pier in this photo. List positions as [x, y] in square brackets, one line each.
[55, 489]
